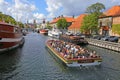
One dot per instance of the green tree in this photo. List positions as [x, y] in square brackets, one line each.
[62, 24]
[95, 8]
[116, 28]
[21, 24]
[9, 19]
[48, 25]
[90, 22]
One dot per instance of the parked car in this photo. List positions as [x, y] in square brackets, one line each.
[98, 37]
[105, 38]
[113, 38]
[110, 38]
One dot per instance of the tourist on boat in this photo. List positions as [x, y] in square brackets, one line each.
[69, 50]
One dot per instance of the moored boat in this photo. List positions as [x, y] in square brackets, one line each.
[43, 31]
[10, 37]
[73, 39]
[54, 33]
[73, 55]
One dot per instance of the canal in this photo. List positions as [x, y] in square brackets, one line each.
[33, 62]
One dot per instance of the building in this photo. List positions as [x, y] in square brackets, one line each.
[110, 18]
[75, 27]
[55, 20]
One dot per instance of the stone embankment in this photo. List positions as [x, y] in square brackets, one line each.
[104, 44]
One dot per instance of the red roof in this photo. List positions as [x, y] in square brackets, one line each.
[68, 19]
[114, 11]
[78, 22]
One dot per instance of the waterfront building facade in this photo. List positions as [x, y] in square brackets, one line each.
[55, 20]
[111, 17]
[75, 27]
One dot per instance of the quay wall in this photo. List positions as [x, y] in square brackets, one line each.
[104, 44]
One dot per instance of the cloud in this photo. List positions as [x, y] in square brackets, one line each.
[53, 7]
[21, 10]
[39, 17]
[74, 7]
[3, 6]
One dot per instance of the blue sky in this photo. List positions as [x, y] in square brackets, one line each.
[23, 10]
[41, 5]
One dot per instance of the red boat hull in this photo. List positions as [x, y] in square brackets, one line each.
[43, 31]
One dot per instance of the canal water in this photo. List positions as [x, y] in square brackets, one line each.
[33, 62]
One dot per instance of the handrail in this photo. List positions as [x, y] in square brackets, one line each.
[104, 44]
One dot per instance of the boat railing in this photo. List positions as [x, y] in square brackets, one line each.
[96, 57]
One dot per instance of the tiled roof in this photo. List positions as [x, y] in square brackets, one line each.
[68, 19]
[114, 11]
[77, 23]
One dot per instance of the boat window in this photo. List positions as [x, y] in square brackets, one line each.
[16, 30]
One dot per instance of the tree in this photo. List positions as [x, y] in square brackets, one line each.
[9, 19]
[90, 22]
[95, 8]
[21, 24]
[116, 28]
[62, 23]
[48, 25]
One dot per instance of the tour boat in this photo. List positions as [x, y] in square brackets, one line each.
[73, 39]
[77, 61]
[44, 31]
[10, 37]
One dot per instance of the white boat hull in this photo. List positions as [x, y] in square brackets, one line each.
[54, 34]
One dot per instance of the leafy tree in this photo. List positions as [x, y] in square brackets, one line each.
[9, 19]
[95, 8]
[48, 25]
[116, 28]
[21, 24]
[90, 21]
[62, 24]
[89, 24]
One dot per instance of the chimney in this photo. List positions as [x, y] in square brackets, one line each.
[73, 16]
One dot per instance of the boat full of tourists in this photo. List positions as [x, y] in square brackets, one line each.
[11, 37]
[73, 55]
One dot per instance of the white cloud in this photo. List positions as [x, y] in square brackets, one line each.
[24, 10]
[3, 6]
[39, 17]
[21, 10]
[53, 7]
[75, 7]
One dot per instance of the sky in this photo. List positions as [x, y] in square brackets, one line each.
[29, 10]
